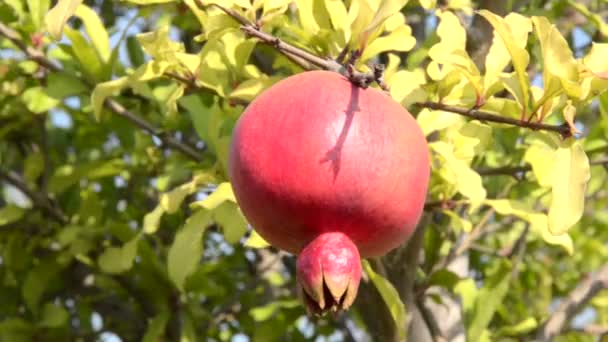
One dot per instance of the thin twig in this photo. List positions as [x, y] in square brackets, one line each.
[570, 306]
[41, 201]
[563, 129]
[166, 138]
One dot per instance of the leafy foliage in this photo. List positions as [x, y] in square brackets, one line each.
[117, 215]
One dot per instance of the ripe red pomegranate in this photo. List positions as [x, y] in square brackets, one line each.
[331, 172]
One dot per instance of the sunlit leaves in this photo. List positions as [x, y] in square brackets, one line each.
[457, 172]
[256, 241]
[86, 54]
[568, 186]
[519, 85]
[560, 71]
[104, 90]
[95, 30]
[37, 11]
[56, 18]
[406, 87]
[37, 101]
[539, 223]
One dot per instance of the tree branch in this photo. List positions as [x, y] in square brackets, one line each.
[39, 200]
[166, 138]
[575, 301]
[475, 114]
[364, 79]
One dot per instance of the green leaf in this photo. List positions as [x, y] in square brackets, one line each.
[487, 301]
[560, 70]
[158, 44]
[187, 248]
[95, 30]
[61, 85]
[54, 315]
[539, 223]
[568, 186]
[406, 87]
[37, 10]
[249, 89]
[541, 155]
[471, 140]
[451, 50]
[10, 214]
[467, 181]
[436, 120]
[400, 39]
[33, 166]
[148, 2]
[263, 313]
[172, 200]
[119, 259]
[36, 283]
[519, 58]
[86, 54]
[386, 9]
[152, 219]
[498, 56]
[37, 101]
[521, 328]
[146, 72]
[16, 330]
[444, 278]
[233, 223]
[391, 298]
[156, 328]
[256, 241]
[56, 18]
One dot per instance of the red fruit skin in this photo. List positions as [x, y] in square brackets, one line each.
[315, 153]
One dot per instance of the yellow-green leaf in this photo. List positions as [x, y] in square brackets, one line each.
[85, 53]
[229, 217]
[467, 181]
[519, 57]
[152, 219]
[391, 298]
[187, 248]
[400, 39]
[436, 120]
[568, 186]
[146, 72]
[539, 223]
[386, 9]
[222, 193]
[56, 18]
[498, 56]
[119, 259]
[37, 101]
[95, 30]
[560, 70]
[37, 11]
[256, 241]
[10, 213]
[406, 87]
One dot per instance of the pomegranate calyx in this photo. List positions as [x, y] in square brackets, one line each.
[328, 273]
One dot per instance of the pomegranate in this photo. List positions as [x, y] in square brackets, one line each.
[332, 172]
